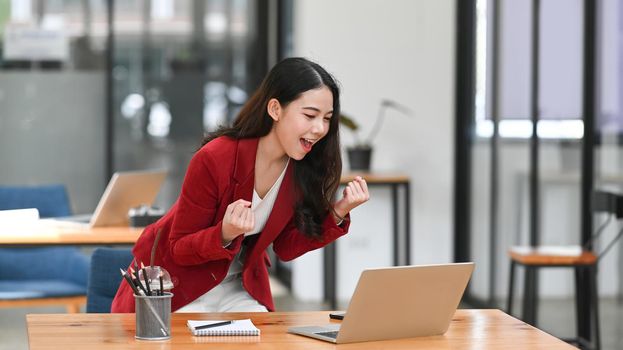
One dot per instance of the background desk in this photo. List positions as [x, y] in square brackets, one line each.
[401, 249]
[470, 329]
[54, 235]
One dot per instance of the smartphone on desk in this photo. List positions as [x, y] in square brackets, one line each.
[337, 315]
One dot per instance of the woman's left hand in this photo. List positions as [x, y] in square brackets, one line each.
[355, 194]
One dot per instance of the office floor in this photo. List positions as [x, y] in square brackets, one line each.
[556, 317]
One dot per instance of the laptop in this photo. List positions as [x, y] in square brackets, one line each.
[125, 190]
[398, 302]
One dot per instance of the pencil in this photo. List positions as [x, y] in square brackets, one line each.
[129, 281]
[136, 280]
[136, 266]
[218, 324]
[161, 284]
[146, 279]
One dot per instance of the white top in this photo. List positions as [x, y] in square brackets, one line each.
[261, 208]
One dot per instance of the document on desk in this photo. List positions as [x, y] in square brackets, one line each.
[26, 222]
[235, 327]
[21, 221]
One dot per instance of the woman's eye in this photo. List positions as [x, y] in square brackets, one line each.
[309, 116]
[327, 119]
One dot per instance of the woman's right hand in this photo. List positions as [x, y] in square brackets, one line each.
[238, 219]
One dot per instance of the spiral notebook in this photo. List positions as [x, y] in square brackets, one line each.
[237, 327]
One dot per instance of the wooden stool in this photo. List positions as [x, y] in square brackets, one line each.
[583, 262]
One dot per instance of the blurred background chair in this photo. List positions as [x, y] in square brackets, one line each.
[582, 259]
[41, 276]
[104, 277]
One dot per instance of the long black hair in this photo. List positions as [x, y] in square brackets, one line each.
[317, 175]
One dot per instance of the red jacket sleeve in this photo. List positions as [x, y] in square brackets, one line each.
[195, 236]
[292, 243]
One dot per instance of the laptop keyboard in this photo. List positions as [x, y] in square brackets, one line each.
[331, 334]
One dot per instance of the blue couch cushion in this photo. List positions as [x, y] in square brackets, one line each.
[50, 200]
[30, 273]
[33, 289]
[49, 263]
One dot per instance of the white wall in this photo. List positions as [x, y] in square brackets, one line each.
[403, 50]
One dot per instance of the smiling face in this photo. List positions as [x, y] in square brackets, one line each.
[303, 122]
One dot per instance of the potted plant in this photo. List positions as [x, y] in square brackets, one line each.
[360, 155]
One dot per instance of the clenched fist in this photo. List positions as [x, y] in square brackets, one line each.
[238, 220]
[355, 194]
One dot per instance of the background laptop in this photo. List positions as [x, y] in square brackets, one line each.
[125, 190]
[398, 302]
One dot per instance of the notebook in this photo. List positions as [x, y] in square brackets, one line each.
[237, 327]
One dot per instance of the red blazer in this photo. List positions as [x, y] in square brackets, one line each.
[190, 245]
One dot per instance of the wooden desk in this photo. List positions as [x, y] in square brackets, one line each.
[50, 234]
[470, 329]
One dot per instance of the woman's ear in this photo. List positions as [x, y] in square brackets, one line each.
[274, 109]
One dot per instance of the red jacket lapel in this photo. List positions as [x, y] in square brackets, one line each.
[244, 178]
[244, 169]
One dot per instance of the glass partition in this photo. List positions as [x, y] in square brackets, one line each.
[52, 96]
[179, 68]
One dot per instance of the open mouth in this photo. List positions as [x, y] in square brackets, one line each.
[307, 144]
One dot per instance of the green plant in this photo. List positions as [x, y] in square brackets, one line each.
[350, 123]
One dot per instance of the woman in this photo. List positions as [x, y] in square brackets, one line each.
[270, 178]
